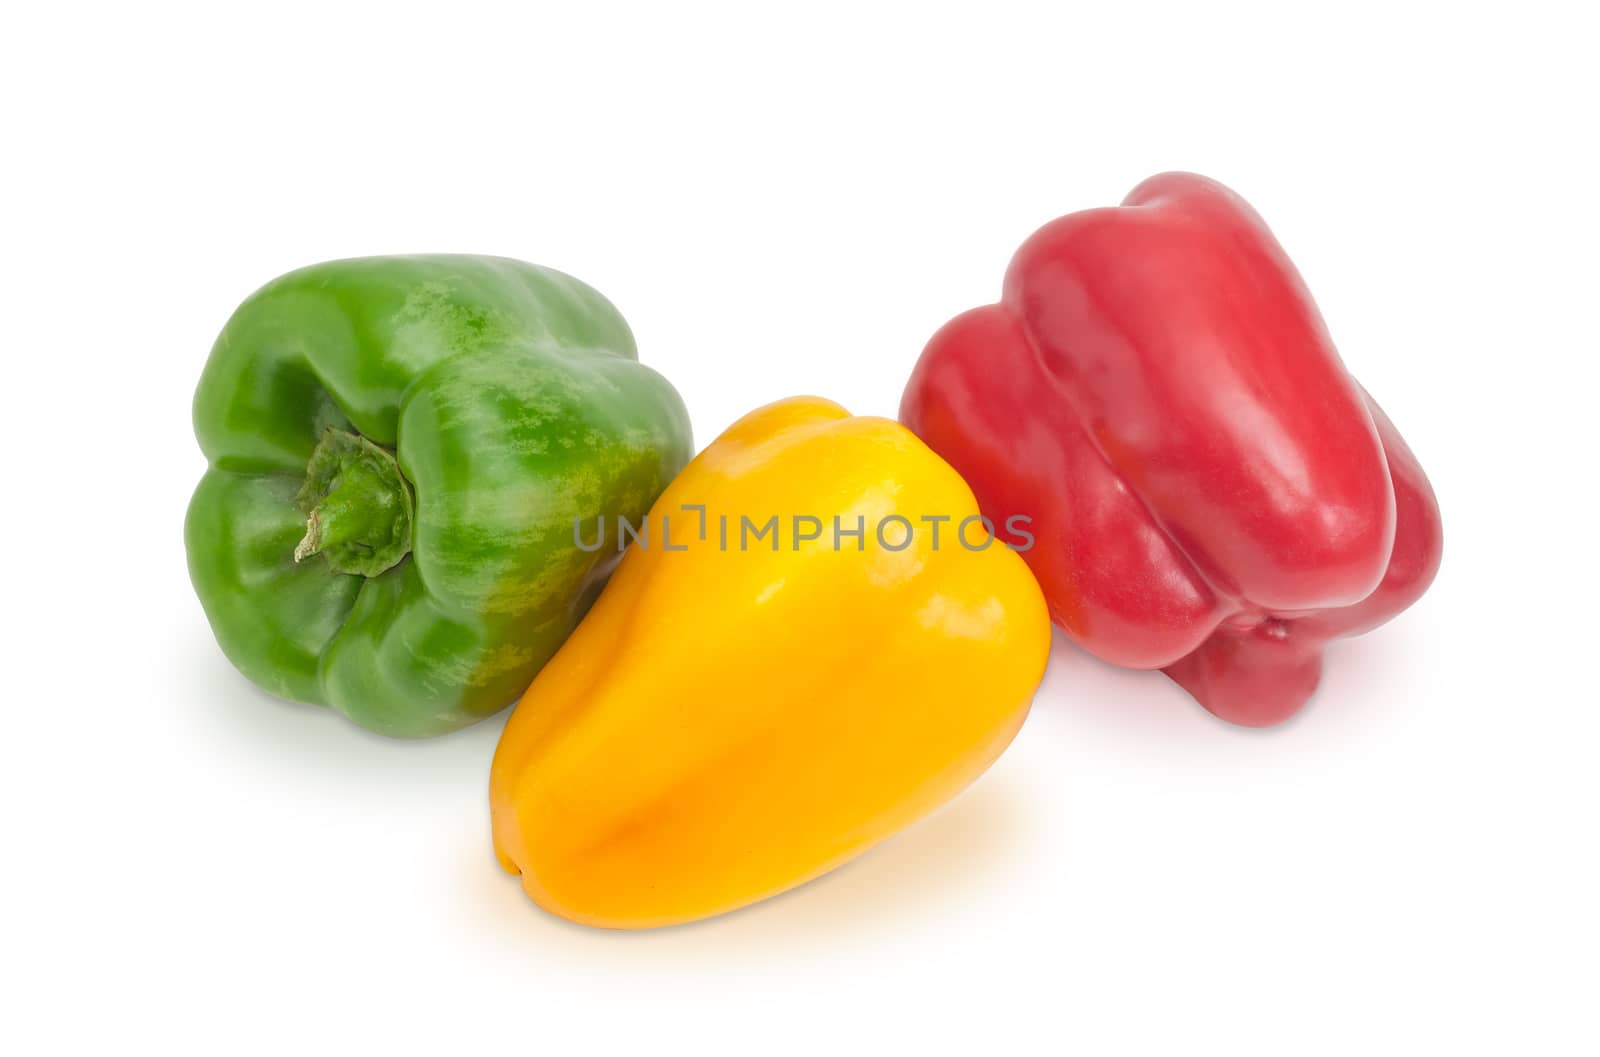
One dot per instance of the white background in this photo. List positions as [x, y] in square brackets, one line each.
[792, 203]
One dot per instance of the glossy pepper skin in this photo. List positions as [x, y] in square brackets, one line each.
[397, 448]
[1211, 492]
[728, 723]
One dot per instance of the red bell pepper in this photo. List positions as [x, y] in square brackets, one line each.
[1211, 493]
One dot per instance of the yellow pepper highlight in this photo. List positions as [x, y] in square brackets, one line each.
[731, 721]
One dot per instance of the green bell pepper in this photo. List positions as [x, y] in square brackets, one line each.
[398, 449]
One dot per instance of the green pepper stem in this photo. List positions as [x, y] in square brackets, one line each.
[358, 506]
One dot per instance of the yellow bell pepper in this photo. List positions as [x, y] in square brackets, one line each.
[742, 712]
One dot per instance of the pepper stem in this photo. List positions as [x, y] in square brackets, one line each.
[358, 506]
